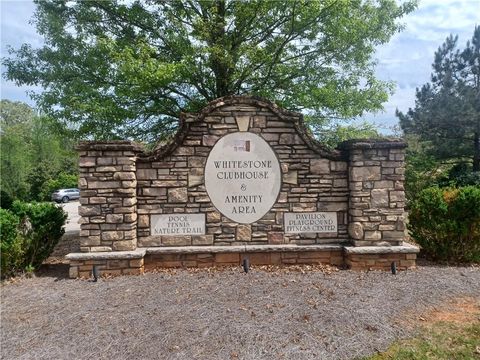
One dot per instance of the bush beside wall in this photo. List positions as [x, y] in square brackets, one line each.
[446, 223]
[29, 232]
[11, 243]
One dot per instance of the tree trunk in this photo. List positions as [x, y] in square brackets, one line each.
[219, 61]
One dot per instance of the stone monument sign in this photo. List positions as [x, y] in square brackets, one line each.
[242, 178]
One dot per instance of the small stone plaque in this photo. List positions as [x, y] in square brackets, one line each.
[177, 224]
[310, 222]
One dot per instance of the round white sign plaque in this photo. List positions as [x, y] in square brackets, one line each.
[243, 177]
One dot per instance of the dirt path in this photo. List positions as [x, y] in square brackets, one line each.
[222, 314]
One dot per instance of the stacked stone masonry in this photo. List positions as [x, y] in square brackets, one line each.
[175, 182]
[84, 268]
[377, 197]
[108, 196]
[122, 186]
[381, 261]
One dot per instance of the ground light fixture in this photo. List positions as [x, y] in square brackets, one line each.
[393, 267]
[95, 273]
[246, 265]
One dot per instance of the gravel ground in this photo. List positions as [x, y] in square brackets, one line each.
[208, 314]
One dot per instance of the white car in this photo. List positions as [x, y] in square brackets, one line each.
[65, 195]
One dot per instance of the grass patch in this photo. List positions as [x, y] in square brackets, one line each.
[438, 341]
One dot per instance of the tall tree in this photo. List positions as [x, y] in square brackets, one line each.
[15, 130]
[446, 116]
[127, 69]
[14, 112]
[32, 151]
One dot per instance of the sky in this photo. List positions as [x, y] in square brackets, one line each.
[406, 59]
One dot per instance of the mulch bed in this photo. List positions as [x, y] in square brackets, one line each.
[269, 313]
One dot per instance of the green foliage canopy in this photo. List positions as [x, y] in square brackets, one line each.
[14, 113]
[127, 69]
[15, 121]
[32, 151]
[331, 136]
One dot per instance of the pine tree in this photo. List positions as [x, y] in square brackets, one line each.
[446, 116]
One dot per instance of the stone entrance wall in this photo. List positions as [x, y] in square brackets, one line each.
[172, 180]
[124, 188]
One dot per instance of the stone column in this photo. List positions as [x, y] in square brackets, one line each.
[377, 197]
[108, 196]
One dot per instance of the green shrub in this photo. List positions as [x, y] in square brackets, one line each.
[11, 243]
[446, 223]
[29, 232]
[42, 225]
[459, 175]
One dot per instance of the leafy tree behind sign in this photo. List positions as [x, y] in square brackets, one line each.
[32, 152]
[446, 116]
[126, 69]
[332, 135]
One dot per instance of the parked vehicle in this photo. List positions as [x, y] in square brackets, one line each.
[65, 195]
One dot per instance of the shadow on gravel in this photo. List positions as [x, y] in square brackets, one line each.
[56, 265]
[57, 271]
[424, 262]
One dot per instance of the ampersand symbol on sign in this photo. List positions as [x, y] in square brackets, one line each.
[243, 187]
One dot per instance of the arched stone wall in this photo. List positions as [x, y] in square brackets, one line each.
[156, 202]
[313, 179]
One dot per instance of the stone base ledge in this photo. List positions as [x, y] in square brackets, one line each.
[135, 262]
[240, 249]
[405, 248]
[226, 259]
[116, 263]
[381, 257]
[111, 255]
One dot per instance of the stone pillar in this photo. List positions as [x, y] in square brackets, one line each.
[377, 197]
[108, 196]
